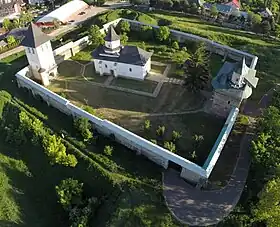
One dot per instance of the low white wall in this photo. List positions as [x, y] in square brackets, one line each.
[220, 142]
[157, 154]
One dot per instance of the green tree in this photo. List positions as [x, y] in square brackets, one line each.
[163, 33]
[108, 150]
[160, 130]
[214, 11]
[142, 45]
[124, 27]
[194, 8]
[170, 146]
[69, 193]
[147, 125]
[11, 40]
[124, 39]
[7, 24]
[95, 36]
[146, 32]
[56, 151]
[268, 208]
[176, 135]
[180, 57]
[266, 27]
[175, 45]
[25, 18]
[83, 126]
[200, 57]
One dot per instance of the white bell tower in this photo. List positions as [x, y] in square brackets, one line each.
[112, 41]
[39, 53]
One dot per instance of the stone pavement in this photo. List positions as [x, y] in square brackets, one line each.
[200, 207]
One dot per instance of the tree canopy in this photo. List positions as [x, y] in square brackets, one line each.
[95, 36]
[163, 33]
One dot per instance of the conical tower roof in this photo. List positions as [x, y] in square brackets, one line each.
[111, 35]
[34, 37]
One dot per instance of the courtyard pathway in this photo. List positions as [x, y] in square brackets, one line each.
[197, 207]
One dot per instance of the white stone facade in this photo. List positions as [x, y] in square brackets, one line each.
[118, 69]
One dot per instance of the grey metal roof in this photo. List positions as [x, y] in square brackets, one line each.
[34, 37]
[111, 35]
[222, 80]
[128, 54]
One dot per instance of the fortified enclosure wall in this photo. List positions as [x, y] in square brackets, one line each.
[155, 153]
[190, 171]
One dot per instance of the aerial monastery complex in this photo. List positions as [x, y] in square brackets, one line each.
[233, 83]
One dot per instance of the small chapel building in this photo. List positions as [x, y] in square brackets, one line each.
[121, 61]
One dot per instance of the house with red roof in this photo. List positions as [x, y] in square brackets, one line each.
[234, 4]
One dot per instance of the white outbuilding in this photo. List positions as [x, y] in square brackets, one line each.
[65, 12]
[121, 61]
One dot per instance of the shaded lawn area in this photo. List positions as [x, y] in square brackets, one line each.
[216, 64]
[91, 75]
[34, 176]
[188, 125]
[226, 163]
[70, 69]
[145, 85]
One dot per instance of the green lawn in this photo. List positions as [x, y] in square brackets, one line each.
[145, 85]
[83, 56]
[188, 125]
[30, 190]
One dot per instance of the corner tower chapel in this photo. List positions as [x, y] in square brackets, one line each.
[39, 53]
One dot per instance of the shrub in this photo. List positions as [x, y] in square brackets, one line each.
[161, 130]
[175, 45]
[147, 125]
[69, 193]
[176, 135]
[124, 27]
[56, 151]
[243, 120]
[4, 98]
[170, 146]
[83, 126]
[108, 150]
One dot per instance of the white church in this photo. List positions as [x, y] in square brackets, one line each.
[39, 53]
[121, 61]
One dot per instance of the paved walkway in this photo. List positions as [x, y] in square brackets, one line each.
[202, 208]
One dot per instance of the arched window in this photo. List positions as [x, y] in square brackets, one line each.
[130, 69]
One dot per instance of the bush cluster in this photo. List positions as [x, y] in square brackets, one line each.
[70, 196]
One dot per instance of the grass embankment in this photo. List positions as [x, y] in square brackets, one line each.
[32, 179]
[126, 13]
